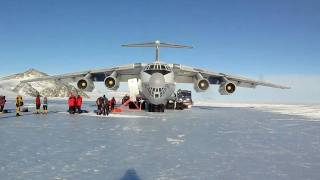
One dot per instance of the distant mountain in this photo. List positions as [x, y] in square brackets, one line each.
[31, 73]
[49, 88]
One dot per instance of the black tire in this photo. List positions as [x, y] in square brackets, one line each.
[162, 108]
[149, 107]
[143, 105]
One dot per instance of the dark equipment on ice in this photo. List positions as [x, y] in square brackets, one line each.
[180, 100]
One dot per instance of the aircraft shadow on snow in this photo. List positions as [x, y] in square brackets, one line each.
[130, 174]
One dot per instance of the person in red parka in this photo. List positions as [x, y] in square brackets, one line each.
[110, 104]
[72, 104]
[38, 104]
[79, 104]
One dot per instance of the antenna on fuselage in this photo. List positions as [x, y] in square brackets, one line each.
[157, 44]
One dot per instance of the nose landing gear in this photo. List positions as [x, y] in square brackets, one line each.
[156, 108]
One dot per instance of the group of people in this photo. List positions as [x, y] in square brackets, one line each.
[44, 104]
[75, 103]
[19, 104]
[104, 106]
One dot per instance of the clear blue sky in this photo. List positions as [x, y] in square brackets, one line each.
[245, 37]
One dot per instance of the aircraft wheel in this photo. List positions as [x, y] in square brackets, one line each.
[150, 108]
[162, 108]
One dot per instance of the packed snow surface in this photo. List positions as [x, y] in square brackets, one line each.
[311, 111]
[205, 142]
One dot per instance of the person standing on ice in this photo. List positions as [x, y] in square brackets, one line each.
[109, 105]
[99, 102]
[113, 103]
[19, 104]
[79, 104]
[72, 104]
[38, 104]
[105, 106]
[45, 105]
[2, 103]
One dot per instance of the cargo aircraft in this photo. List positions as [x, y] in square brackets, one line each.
[157, 80]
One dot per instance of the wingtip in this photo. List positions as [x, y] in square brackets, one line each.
[285, 87]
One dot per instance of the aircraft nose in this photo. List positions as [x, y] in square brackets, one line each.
[157, 80]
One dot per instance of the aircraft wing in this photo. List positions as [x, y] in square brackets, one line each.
[186, 74]
[125, 72]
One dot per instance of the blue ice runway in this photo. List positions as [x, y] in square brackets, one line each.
[201, 143]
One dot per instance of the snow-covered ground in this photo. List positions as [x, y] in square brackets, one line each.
[205, 142]
[311, 111]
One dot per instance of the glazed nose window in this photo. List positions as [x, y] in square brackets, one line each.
[157, 92]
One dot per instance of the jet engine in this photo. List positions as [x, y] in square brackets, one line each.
[112, 81]
[200, 84]
[86, 83]
[227, 88]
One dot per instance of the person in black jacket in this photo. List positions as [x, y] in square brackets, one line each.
[105, 106]
[113, 103]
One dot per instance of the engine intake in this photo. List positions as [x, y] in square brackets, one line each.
[201, 84]
[86, 83]
[112, 82]
[227, 88]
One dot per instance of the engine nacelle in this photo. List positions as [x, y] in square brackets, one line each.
[86, 83]
[200, 84]
[227, 88]
[112, 81]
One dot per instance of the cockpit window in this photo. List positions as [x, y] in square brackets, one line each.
[157, 68]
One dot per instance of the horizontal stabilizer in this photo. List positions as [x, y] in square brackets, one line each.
[157, 44]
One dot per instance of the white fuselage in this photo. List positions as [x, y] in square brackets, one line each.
[157, 82]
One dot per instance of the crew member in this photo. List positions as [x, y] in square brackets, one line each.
[79, 104]
[19, 104]
[125, 99]
[105, 106]
[113, 103]
[2, 103]
[109, 104]
[72, 104]
[45, 105]
[99, 102]
[38, 104]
